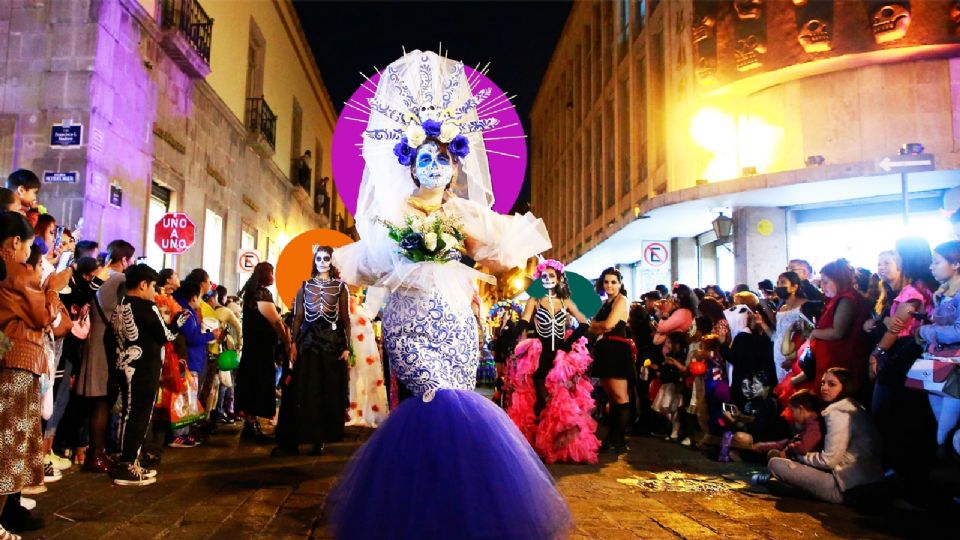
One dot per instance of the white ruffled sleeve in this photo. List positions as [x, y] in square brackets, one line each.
[507, 241]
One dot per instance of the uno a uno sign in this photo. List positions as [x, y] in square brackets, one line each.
[175, 233]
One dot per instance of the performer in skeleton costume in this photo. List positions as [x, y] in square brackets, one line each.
[552, 402]
[447, 463]
[314, 401]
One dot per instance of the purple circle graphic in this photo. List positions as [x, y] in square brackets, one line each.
[505, 144]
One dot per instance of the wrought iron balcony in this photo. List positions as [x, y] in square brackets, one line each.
[261, 125]
[187, 35]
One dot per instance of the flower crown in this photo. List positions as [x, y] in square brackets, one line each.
[431, 128]
[548, 263]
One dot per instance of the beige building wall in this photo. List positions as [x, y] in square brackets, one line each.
[634, 111]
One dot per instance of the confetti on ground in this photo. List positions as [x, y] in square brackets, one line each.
[682, 482]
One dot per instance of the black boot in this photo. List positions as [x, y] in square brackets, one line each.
[617, 419]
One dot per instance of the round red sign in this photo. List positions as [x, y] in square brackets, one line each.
[175, 233]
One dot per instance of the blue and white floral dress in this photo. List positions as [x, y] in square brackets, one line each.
[450, 464]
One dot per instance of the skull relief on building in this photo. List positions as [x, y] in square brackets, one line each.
[748, 9]
[748, 52]
[890, 22]
[815, 36]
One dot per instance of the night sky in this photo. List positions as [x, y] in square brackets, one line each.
[517, 38]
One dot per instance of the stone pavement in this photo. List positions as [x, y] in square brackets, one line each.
[232, 490]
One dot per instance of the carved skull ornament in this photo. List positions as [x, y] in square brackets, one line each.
[748, 51]
[748, 9]
[815, 36]
[890, 23]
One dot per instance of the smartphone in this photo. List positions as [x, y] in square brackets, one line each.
[730, 408]
[65, 259]
[58, 237]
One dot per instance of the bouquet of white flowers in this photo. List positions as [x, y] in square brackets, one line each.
[435, 238]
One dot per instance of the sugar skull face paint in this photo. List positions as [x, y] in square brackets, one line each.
[322, 261]
[433, 168]
[549, 279]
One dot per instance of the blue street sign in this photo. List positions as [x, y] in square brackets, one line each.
[66, 136]
[60, 177]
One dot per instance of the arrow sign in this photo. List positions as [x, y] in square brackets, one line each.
[907, 164]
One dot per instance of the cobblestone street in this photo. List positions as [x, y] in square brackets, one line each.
[231, 490]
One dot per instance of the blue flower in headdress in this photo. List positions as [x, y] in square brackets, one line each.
[404, 152]
[460, 146]
[431, 128]
[411, 241]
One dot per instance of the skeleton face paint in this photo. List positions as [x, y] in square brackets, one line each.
[433, 168]
[549, 280]
[322, 261]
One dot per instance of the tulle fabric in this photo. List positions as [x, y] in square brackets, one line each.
[567, 431]
[452, 468]
[524, 395]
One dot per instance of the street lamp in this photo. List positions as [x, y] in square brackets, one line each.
[723, 228]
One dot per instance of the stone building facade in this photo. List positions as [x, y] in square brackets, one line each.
[655, 116]
[168, 123]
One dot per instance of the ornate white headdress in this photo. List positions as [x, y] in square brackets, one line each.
[418, 97]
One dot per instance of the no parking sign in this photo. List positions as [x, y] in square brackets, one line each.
[655, 254]
[247, 260]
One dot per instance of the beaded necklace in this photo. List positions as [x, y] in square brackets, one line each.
[315, 299]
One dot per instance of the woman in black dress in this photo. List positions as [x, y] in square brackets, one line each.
[263, 333]
[614, 357]
[314, 402]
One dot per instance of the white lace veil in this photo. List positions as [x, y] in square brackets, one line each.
[416, 79]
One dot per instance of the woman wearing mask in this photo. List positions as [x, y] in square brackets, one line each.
[837, 340]
[789, 291]
[942, 335]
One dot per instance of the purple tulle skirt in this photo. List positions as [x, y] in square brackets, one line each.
[455, 467]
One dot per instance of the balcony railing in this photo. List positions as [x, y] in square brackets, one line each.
[192, 21]
[261, 120]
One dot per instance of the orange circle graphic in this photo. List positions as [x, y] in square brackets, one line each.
[296, 260]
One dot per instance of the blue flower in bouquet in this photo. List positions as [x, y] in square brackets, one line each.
[404, 152]
[411, 241]
[460, 146]
[432, 128]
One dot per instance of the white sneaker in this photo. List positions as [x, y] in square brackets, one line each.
[51, 474]
[59, 463]
[27, 503]
[686, 441]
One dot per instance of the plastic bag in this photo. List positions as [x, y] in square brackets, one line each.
[185, 408]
